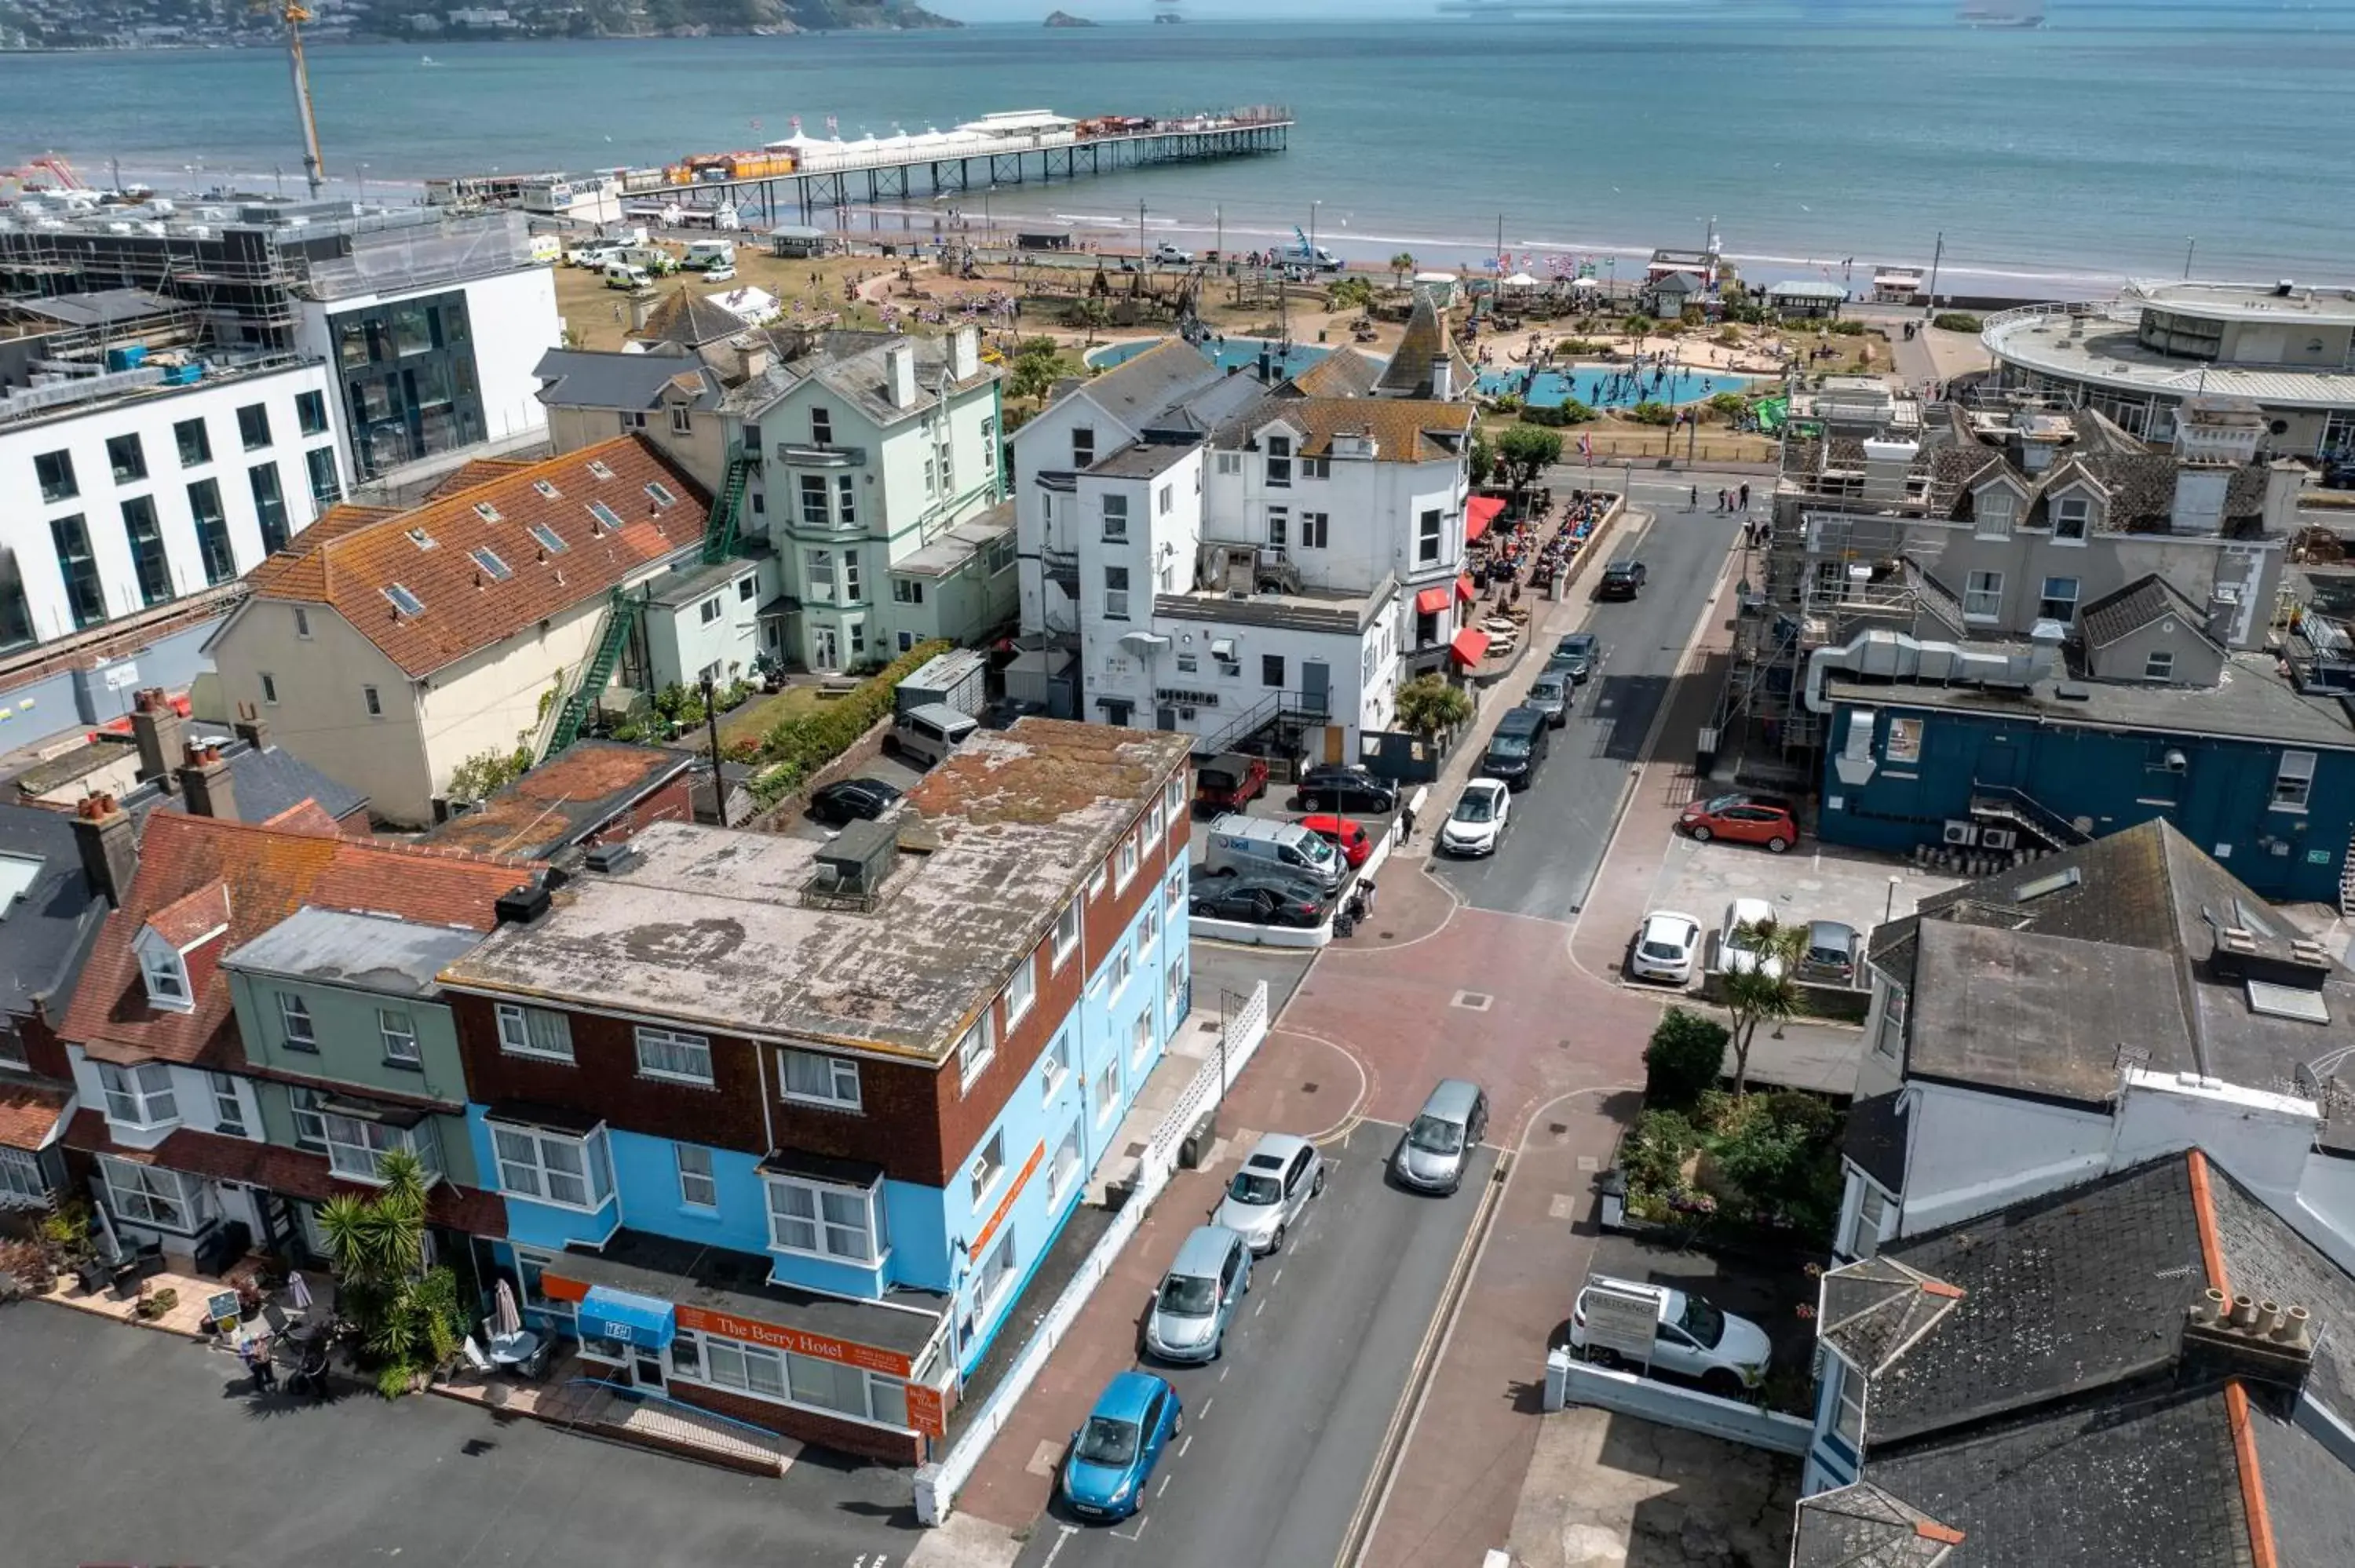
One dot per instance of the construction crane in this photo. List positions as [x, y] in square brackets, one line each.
[294, 13]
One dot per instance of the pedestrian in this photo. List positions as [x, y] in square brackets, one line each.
[1406, 824]
[1745, 496]
[256, 1354]
[1694, 505]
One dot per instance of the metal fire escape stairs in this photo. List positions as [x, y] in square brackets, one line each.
[621, 619]
[720, 535]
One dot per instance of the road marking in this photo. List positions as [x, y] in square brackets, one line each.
[1260, 1308]
[1165, 1481]
[1135, 1535]
[1204, 1414]
[1222, 1376]
[1276, 1278]
[1060, 1542]
[1182, 1447]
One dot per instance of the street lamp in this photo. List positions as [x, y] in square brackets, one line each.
[363, 171]
[2190, 243]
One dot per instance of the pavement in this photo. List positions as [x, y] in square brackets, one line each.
[195, 1469]
[1615, 1492]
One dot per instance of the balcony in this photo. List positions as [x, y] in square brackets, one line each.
[803, 455]
[1061, 568]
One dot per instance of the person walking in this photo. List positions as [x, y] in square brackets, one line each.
[1694, 505]
[1406, 823]
[256, 1354]
[1745, 496]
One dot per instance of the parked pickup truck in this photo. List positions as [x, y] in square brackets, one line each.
[1169, 255]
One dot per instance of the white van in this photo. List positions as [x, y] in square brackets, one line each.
[928, 732]
[624, 275]
[1247, 844]
[702, 255]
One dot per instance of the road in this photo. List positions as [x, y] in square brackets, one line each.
[1281, 1432]
[196, 1470]
[1561, 824]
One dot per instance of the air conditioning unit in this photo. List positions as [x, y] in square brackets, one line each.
[1962, 832]
[1998, 838]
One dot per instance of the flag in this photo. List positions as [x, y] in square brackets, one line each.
[1586, 448]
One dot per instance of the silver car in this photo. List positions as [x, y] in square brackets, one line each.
[1550, 694]
[1431, 1156]
[1202, 1291]
[1278, 1178]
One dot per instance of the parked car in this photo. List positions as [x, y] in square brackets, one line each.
[1727, 1354]
[1576, 655]
[1279, 1176]
[1229, 783]
[1621, 579]
[1831, 956]
[1260, 899]
[1260, 846]
[1432, 1152]
[1743, 819]
[1518, 746]
[1550, 694]
[1112, 1456]
[1337, 787]
[1199, 1297]
[852, 800]
[1169, 255]
[1345, 834]
[1737, 953]
[1478, 820]
[1668, 946]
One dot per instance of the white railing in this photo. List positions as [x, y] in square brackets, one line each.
[937, 1484]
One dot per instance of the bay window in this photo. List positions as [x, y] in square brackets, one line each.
[568, 1170]
[356, 1146]
[165, 1199]
[140, 1096]
[21, 1186]
[825, 1221]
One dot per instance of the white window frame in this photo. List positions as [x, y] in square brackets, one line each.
[1230, 462]
[691, 1181]
[1175, 890]
[2046, 599]
[398, 1030]
[229, 1105]
[842, 1092]
[1141, 1040]
[190, 1197]
[824, 1241]
[141, 1096]
[1119, 966]
[356, 1146]
[1872, 1207]
[517, 1027]
[2064, 520]
[1153, 828]
[1115, 600]
[1984, 588]
[1149, 931]
[1125, 863]
[22, 1185]
[975, 1049]
[1992, 513]
[2158, 665]
[673, 1055]
[1173, 795]
[1059, 1067]
[1061, 1173]
[2293, 781]
[296, 1027]
[1112, 513]
[304, 1104]
[1021, 993]
[987, 1167]
[594, 1154]
[1848, 1406]
[166, 973]
[1067, 932]
[1107, 1096]
[718, 1362]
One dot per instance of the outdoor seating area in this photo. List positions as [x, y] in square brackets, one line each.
[578, 1395]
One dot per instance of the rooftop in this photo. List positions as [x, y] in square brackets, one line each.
[708, 925]
[1310, 609]
[1144, 383]
[49, 911]
[2099, 344]
[1425, 341]
[563, 800]
[2244, 302]
[1141, 459]
[852, 365]
[952, 547]
[572, 377]
[379, 953]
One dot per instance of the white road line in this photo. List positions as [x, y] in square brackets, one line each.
[1223, 1371]
[1276, 1278]
[1137, 1534]
[1260, 1308]
[1204, 1414]
[1060, 1542]
[1188, 1441]
[1165, 1483]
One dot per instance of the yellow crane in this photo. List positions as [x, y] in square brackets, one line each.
[294, 13]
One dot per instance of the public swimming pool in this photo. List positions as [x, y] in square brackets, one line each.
[1232, 354]
[1599, 387]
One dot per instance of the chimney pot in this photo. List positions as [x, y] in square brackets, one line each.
[155, 729]
[2244, 1311]
[2213, 1307]
[2292, 1329]
[207, 782]
[108, 847]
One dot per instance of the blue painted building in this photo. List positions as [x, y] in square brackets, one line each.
[785, 1124]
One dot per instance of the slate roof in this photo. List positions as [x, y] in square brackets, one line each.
[686, 318]
[45, 934]
[378, 953]
[852, 366]
[1862, 1526]
[1874, 1141]
[1143, 385]
[1427, 338]
[2130, 608]
[268, 781]
[466, 606]
[580, 378]
[264, 874]
[31, 1114]
[1344, 373]
[563, 802]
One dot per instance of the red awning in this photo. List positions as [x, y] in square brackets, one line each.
[1469, 646]
[1465, 589]
[1479, 512]
[1430, 601]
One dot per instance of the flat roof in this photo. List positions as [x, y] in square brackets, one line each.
[1311, 609]
[2246, 301]
[367, 952]
[685, 584]
[708, 926]
[562, 800]
[2108, 354]
[2252, 702]
[1143, 459]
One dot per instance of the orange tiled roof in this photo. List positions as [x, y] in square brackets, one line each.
[466, 606]
[183, 920]
[265, 873]
[473, 472]
[28, 1115]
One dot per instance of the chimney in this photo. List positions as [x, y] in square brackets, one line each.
[1886, 465]
[2264, 1342]
[205, 779]
[965, 354]
[156, 725]
[752, 357]
[900, 373]
[250, 728]
[2284, 482]
[110, 850]
[641, 305]
[1443, 377]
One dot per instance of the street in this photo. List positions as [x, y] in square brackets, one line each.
[124, 1445]
[1561, 824]
[1280, 1431]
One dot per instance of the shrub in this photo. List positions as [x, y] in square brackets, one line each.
[479, 777]
[1651, 412]
[1569, 411]
[1846, 329]
[1956, 321]
[1654, 1154]
[1575, 346]
[1729, 335]
[799, 745]
[1685, 1057]
[1428, 703]
[1728, 404]
[1506, 402]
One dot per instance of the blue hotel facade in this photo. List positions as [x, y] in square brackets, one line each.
[814, 1237]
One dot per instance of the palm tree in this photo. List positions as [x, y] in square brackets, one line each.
[1428, 704]
[1762, 989]
[410, 1317]
[1401, 266]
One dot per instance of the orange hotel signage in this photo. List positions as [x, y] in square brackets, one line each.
[1006, 1205]
[798, 1341]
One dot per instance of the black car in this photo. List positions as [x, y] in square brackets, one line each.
[852, 800]
[1575, 656]
[1334, 787]
[1519, 745]
[1262, 900]
[1621, 579]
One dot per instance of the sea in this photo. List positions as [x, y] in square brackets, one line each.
[1816, 139]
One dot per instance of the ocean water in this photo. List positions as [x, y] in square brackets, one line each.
[1814, 135]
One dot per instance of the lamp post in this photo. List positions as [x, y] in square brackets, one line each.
[363, 174]
[2190, 243]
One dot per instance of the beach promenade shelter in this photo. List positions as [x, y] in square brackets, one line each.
[798, 241]
[1797, 299]
[1672, 293]
[1897, 286]
[1699, 263]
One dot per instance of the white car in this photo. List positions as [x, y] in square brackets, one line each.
[1170, 255]
[1668, 946]
[1478, 820]
[1726, 1354]
[1737, 954]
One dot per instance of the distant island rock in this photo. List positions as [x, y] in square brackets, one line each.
[1065, 19]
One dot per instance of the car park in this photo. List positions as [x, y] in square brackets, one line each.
[1576, 655]
[1337, 787]
[1433, 1152]
[1550, 694]
[1345, 834]
[1199, 1298]
[1743, 819]
[1261, 900]
[1666, 948]
[1726, 1354]
[1519, 745]
[1478, 820]
[1229, 783]
[1831, 955]
[1621, 579]
[1112, 1456]
[1278, 1177]
[847, 801]
[1737, 941]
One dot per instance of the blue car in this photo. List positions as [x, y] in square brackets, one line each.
[1135, 1418]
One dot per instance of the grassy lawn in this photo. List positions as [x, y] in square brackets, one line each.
[755, 718]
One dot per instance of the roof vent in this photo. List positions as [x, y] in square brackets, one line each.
[611, 859]
[2237, 939]
[852, 867]
[522, 907]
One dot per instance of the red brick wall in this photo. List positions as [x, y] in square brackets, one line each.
[674, 802]
[45, 1054]
[808, 1426]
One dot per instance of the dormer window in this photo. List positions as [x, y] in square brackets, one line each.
[1993, 511]
[165, 971]
[2071, 515]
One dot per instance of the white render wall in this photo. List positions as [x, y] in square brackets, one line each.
[1971, 1152]
[191, 1091]
[25, 518]
[1044, 445]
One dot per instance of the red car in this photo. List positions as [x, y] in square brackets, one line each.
[1343, 834]
[1743, 819]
